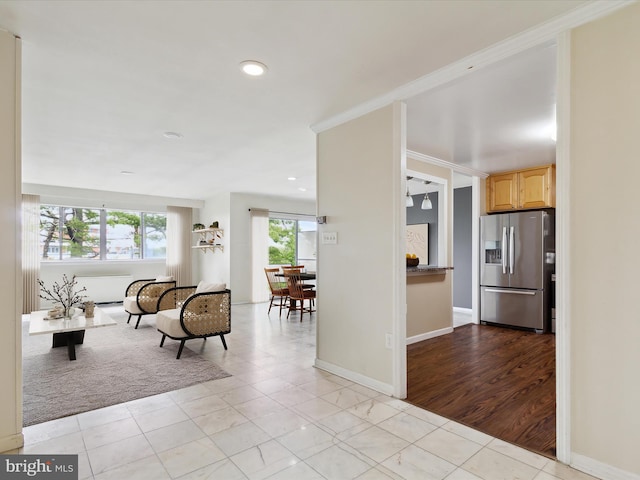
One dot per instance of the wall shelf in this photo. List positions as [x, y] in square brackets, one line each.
[208, 239]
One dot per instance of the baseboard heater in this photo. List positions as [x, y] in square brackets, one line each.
[104, 288]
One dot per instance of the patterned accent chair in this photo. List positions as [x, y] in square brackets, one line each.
[194, 312]
[141, 296]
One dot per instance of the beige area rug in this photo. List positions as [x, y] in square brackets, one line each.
[114, 365]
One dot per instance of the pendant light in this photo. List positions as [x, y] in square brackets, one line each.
[409, 198]
[426, 203]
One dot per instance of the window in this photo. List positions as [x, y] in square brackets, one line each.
[74, 233]
[292, 242]
[154, 235]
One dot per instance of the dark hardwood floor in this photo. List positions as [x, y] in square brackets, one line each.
[497, 380]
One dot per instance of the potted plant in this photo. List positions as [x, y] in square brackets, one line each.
[64, 295]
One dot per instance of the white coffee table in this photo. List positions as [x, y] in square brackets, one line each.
[68, 332]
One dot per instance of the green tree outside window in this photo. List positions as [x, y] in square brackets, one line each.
[282, 250]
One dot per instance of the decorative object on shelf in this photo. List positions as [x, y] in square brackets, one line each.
[209, 239]
[198, 226]
[412, 260]
[213, 225]
[66, 295]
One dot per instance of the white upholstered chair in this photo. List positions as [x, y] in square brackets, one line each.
[141, 296]
[187, 313]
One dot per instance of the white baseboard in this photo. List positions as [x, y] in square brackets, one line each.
[11, 442]
[355, 377]
[428, 335]
[599, 469]
[463, 311]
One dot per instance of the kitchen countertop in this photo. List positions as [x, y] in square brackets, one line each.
[427, 270]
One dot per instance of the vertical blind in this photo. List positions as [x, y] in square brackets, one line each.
[259, 254]
[30, 253]
[179, 244]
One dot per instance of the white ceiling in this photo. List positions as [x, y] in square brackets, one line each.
[102, 82]
[497, 118]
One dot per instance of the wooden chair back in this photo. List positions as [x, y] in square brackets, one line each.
[294, 283]
[292, 268]
[277, 285]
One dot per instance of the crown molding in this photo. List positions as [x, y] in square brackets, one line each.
[545, 32]
[70, 196]
[421, 157]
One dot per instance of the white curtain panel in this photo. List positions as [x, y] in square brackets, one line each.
[179, 250]
[259, 254]
[30, 253]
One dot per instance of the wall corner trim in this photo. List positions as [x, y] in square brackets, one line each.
[428, 335]
[421, 157]
[356, 377]
[11, 442]
[599, 469]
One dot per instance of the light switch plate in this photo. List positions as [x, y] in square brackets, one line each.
[329, 238]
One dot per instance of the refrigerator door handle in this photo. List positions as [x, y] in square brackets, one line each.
[512, 255]
[515, 292]
[504, 250]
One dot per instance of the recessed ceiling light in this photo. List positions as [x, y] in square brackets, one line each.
[291, 178]
[253, 68]
[126, 172]
[172, 135]
[302, 189]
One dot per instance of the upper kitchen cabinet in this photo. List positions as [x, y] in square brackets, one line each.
[502, 192]
[537, 187]
[522, 189]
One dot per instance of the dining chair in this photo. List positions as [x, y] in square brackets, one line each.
[286, 269]
[278, 288]
[298, 294]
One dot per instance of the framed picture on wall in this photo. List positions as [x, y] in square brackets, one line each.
[418, 241]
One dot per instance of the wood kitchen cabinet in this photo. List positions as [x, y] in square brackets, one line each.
[522, 189]
[502, 192]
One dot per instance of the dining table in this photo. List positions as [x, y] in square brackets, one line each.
[301, 275]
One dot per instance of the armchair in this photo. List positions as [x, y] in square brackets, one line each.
[199, 314]
[141, 296]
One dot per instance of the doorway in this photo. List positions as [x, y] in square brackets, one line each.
[467, 116]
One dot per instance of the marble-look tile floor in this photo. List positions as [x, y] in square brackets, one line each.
[278, 417]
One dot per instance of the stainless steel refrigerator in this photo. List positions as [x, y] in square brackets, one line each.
[517, 259]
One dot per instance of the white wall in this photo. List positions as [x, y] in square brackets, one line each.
[10, 224]
[361, 279]
[239, 238]
[215, 266]
[52, 272]
[604, 261]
